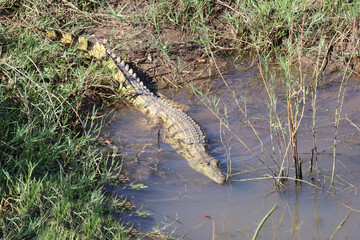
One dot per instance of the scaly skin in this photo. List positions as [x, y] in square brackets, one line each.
[183, 134]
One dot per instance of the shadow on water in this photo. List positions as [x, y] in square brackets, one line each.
[178, 198]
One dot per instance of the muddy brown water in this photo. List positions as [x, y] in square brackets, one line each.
[181, 200]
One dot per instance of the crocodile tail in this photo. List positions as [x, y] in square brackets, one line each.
[96, 50]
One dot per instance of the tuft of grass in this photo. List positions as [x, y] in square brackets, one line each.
[184, 14]
[263, 25]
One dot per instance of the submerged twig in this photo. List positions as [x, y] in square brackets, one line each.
[341, 224]
[339, 105]
[194, 228]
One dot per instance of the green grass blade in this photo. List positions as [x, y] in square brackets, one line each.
[263, 221]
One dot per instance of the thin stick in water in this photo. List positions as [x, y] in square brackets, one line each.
[263, 221]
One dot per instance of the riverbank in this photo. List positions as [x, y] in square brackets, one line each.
[53, 166]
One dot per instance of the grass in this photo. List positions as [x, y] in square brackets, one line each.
[52, 171]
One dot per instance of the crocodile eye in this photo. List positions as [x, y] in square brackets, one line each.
[206, 163]
[214, 163]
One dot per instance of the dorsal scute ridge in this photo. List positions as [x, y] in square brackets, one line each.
[188, 121]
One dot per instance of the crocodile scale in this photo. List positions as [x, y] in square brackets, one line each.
[183, 133]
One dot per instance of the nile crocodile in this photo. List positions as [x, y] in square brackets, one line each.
[183, 134]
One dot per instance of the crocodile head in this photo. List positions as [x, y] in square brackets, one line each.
[208, 167]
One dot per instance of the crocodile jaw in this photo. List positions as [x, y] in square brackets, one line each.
[209, 168]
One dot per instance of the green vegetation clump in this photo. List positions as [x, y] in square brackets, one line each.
[52, 171]
[257, 26]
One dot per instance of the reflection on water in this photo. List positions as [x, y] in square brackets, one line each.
[179, 198]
